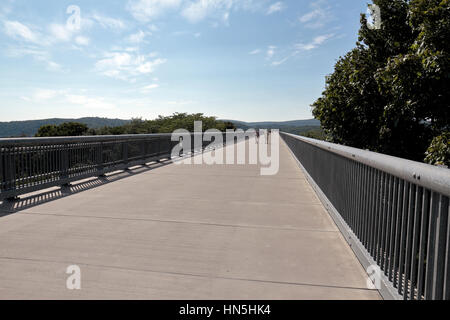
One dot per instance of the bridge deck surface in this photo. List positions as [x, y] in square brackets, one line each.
[180, 232]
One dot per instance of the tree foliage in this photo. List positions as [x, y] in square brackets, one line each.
[137, 126]
[66, 129]
[165, 125]
[439, 151]
[391, 93]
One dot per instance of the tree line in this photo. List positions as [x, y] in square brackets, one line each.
[161, 124]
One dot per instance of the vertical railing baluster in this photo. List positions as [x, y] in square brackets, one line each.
[125, 153]
[415, 241]
[383, 222]
[409, 234]
[398, 232]
[446, 295]
[423, 243]
[371, 212]
[387, 238]
[366, 205]
[376, 214]
[393, 242]
[64, 162]
[434, 208]
[440, 247]
[403, 231]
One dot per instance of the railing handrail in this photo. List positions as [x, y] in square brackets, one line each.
[31, 164]
[393, 212]
[68, 139]
[422, 174]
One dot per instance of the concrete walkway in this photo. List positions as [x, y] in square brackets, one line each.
[182, 232]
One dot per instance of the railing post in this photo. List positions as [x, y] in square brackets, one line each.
[9, 172]
[65, 164]
[125, 153]
[158, 154]
[2, 171]
[440, 248]
[100, 160]
[144, 150]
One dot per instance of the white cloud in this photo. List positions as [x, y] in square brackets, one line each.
[20, 31]
[126, 65]
[152, 86]
[45, 94]
[180, 102]
[317, 41]
[180, 33]
[192, 10]
[153, 28]
[39, 54]
[149, 66]
[226, 18]
[311, 15]
[276, 7]
[89, 102]
[196, 11]
[270, 52]
[60, 32]
[280, 62]
[200, 9]
[146, 10]
[40, 42]
[137, 37]
[82, 41]
[40, 95]
[149, 88]
[67, 97]
[6, 8]
[319, 16]
[108, 22]
[53, 66]
[256, 51]
[54, 33]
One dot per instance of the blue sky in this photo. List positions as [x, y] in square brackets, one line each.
[248, 60]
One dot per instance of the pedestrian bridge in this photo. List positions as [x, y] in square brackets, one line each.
[162, 230]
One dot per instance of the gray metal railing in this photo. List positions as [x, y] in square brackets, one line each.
[393, 212]
[31, 164]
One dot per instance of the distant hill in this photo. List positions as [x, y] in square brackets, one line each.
[30, 127]
[310, 127]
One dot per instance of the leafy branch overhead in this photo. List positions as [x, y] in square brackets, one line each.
[390, 94]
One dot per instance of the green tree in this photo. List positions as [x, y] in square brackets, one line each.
[164, 125]
[47, 130]
[390, 94]
[439, 151]
[67, 129]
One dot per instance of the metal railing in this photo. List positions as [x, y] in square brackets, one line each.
[393, 212]
[31, 164]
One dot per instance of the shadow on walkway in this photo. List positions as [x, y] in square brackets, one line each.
[27, 201]
[30, 200]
